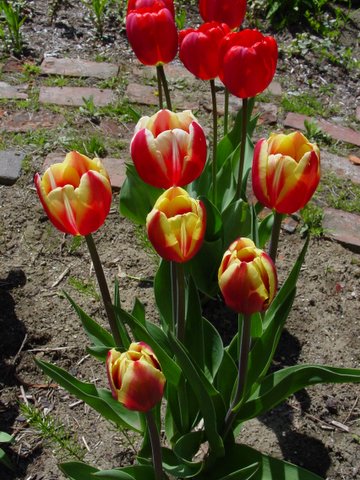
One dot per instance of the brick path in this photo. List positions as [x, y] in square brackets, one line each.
[338, 225]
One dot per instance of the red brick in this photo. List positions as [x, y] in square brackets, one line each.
[148, 95]
[340, 165]
[357, 114]
[73, 96]
[75, 67]
[11, 91]
[343, 227]
[28, 121]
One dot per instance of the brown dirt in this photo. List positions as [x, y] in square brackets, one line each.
[37, 321]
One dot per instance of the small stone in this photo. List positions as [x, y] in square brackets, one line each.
[28, 121]
[343, 227]
[10, 166]
[289, 225]
[11, 91]
[274, 88]
[74, 96]
[75, 67]
[268, 113]
[331, 405]
[354, 159]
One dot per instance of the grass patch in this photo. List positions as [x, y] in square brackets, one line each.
[312, 216]
[93, 146]
[83, 287]
[306, 104]
[340, 193]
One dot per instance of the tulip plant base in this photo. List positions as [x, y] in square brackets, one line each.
[318, 429]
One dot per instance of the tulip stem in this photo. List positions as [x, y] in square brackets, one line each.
[242, 146]
[165, 85]
[244, 350]
[104, 289]
[155, 445]
[160, 90]
[214, 143]
[178, 299]
[275, 234]
[226, 111]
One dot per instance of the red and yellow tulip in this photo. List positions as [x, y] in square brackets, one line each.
[169, 148]
[285, 172]
[247, 277]
[76, 194]
[135, 377]
[176, 225]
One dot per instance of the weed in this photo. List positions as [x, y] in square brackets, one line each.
[312, 216]
[53, 431]
[85, 288]
[145, 244]
[92, 147]
[315, 134]
[340, 193]
[76, 242]
[13, 20]
[31, 70]
[4, 459]
[97, 9]
[306, 104]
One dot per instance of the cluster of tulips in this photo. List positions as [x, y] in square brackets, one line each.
[194, 209]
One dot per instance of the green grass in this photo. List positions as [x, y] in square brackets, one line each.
[307, 104]
[340, 193]
[92, 146]
[84, 287]
[312, 216]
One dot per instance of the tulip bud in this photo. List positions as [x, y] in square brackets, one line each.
[247, 277]
[135, 377]
[176, 225]
[152, 33]
[248, 62]
[231, 12]
[199, 49]
[168, 148]
[76, 194]
[285, 172]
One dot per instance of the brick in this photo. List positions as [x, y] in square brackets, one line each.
[357, 113]
[12, 65]
[10, 166]
[342, 227]
[148, 95]
[75, 67]
[115, 167]
[173, 72]
[337, 132]
[11, 91]
[340, 165]
[28, 121]
[268, 113]
[73, 96]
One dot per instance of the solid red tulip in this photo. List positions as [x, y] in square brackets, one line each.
[285, 172]
[76, 194]
[199, 49]
[152, 34]
[248, 62]
[176, 225]
[247, 277]
[231, 12]
[169, 148]
[135, 377]
[136, 4]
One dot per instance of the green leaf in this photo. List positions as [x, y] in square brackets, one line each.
[237, 220]
[176, 468]
[162, 284]
[100, 400]
[214, 349]
[214, 225]
[5, 437]
[279, 385]
[77, 470]
[194, 334]
[125, 337]
[135, 472]
[98, 352]
[265, 229]
[138, 311]
[209, 399]
[137, 198]
[98, 335]
[142, 333]
[5, 460]
[226, 377]
[203, 270]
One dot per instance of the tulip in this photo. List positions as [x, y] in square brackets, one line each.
[168, 148]
[136, 4]
[247, 277]
[231, 12]
[152, 34]
[176, 225]
[76, 194]
[135, 377]
[199, 49]
[248, 62]
[286, 171]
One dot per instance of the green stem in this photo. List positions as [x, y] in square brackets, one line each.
[275, 234]
[160, 90]
[103, 289]
[226, 111]
[242, 146]
[178, 299]
[155, 445]
[245, 337]
[165, 85]
[214, 144]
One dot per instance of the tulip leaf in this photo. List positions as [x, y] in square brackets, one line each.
[138, 311]
[194, 334]
[237, 219]
[125, 338]
[98, 335]
[161, 284]
[214, 349]
[214, 225]
[98, 352]
[201, 185]
[174, 466]
[226, 377]
[279, 385]
[77, 470]
[5, 437]
[203, 271]
[265, 229]
[154, 337]
[244, 463]
[226, 183]
[209, 399]
[137, 198]
[99, 399]
[134, 472]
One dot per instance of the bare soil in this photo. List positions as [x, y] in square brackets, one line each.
[318, 428]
